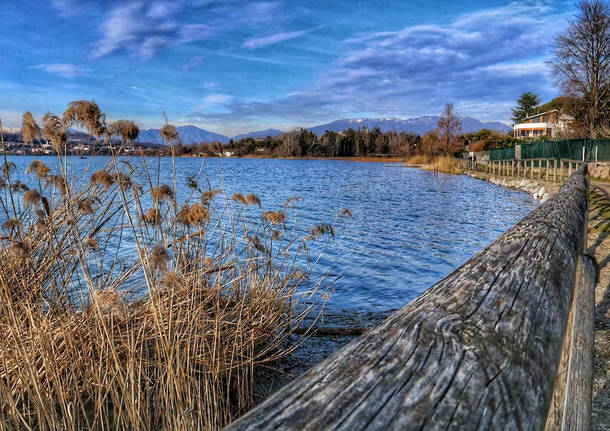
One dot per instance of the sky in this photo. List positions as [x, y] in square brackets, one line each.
[239, 66]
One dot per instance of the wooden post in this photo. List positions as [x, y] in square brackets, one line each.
[554, 169]
[475, 351]
[547, 169]
[512, 168]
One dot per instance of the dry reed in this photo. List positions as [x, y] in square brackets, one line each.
[446, 164]
[76, 354]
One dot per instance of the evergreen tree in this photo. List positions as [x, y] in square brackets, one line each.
[525, 106]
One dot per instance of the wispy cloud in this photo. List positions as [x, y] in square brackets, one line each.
[193, 63]
[143, 28]
[259, 42]
[64, 70]
[481, 61]
[215, 99]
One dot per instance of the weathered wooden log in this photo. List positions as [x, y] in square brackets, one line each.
[573, 396]
[479, 350]
[579, 393]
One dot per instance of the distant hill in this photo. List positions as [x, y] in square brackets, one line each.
[188, 135]
[419, 125]
[261, 134]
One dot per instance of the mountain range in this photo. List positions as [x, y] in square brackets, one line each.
[419, 125]
[188, 135]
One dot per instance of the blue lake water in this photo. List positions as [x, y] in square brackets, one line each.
[410, 227]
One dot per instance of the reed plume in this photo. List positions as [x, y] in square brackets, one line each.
[84, 113]
[11, 224]
[345, 213]
[152, 216]
[164, 192]
[275, 217]
[238, 197]
[319, 230]
[207, 196]
[39, 168]
[252, 199]
[193, 215]
[159, 258]
[86, 206]
[103, 178]
[30, 131]
[110, 303]
[31, 198]
[54, 131]
[169, 133]
[126, 129]
[58, 182]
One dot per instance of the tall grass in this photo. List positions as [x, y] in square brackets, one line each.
[78, 351]
[446, 164]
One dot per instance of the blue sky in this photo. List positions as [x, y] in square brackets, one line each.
[238, 66]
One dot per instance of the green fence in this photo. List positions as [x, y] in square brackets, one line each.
[566, 149]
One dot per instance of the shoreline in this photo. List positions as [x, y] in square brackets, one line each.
[363, 159]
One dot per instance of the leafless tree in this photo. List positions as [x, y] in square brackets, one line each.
[290, 144]
[581, 65]
[449, 127]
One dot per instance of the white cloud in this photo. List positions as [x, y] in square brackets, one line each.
[259, 42]
[64, 70]
[143, 28]
[481, 61]
[216, 99]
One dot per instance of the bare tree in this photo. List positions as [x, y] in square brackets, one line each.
[290, 144]
[581, 65]
[449, 127]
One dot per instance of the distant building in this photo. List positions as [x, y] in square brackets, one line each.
[553, 124]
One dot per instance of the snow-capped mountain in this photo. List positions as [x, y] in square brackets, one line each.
[418, 125]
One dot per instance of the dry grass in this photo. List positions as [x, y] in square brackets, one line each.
[446, 164]
[79, 351]
[418, 160]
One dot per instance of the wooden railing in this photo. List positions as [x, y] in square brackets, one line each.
[542, 169]
[504, 342]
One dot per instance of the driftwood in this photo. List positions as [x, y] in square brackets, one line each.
[479, 350]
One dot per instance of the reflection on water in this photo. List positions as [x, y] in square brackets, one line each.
[409, 229]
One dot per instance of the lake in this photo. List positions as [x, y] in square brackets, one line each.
[410, 227]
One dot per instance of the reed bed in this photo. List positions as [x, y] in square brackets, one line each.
[446, 164]
[78, 350]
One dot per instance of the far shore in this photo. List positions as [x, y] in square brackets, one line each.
[392, 159]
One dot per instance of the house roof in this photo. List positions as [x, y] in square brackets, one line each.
[542, 113]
